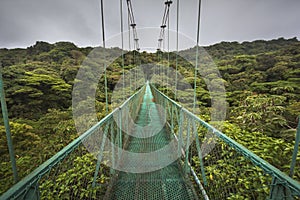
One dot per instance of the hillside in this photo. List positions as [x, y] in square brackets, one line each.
[262, 81]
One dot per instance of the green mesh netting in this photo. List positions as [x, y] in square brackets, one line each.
[166, 183]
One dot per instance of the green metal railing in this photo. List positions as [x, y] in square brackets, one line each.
[222, 168]
[228, 170]
[71, 174]
[150, 177]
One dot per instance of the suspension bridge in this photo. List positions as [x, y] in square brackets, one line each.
[170, 162]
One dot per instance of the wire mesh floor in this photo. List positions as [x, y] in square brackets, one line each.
[166, 183]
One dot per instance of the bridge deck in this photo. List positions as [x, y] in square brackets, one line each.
[166, 183]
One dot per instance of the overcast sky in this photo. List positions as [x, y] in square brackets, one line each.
[23, 22]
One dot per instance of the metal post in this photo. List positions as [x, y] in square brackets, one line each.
[296, 149]
[7, 129]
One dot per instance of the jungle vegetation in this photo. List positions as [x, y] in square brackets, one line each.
[262, 81]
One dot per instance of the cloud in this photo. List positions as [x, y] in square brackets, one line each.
[24, 22]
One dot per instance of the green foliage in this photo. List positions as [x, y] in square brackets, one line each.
[276, 151]
[33, 88]
[23, 135]
[26, 145]
[39, 47]
[263, 70]
[75, 182]
[228, 168]
[262, 80]
[263, 113]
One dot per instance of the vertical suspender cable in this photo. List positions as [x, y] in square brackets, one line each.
[102, 21]
[161, 40]
[7, 130]
[177, 49]
[105, 88]
[162, 58]
[197, 55]
[135, 71]
[103, 41]
[168, 45]
[134, 36]
[122, 45]
[129, 43]
[129, 34]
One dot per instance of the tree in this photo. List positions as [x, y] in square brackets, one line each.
[261, 112]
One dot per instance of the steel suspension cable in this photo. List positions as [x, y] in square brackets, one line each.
[168, 46]
[122, 44]
[134, 35]
[177, 48]
[129, 38]
[161, 34]
[164, 22]
[133, 25]
[197, 55]
[103, 42]
[161, 39]
[129, 29]
[10, 146]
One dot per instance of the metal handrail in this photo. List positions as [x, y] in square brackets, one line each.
[16, 190]
[292, 184]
